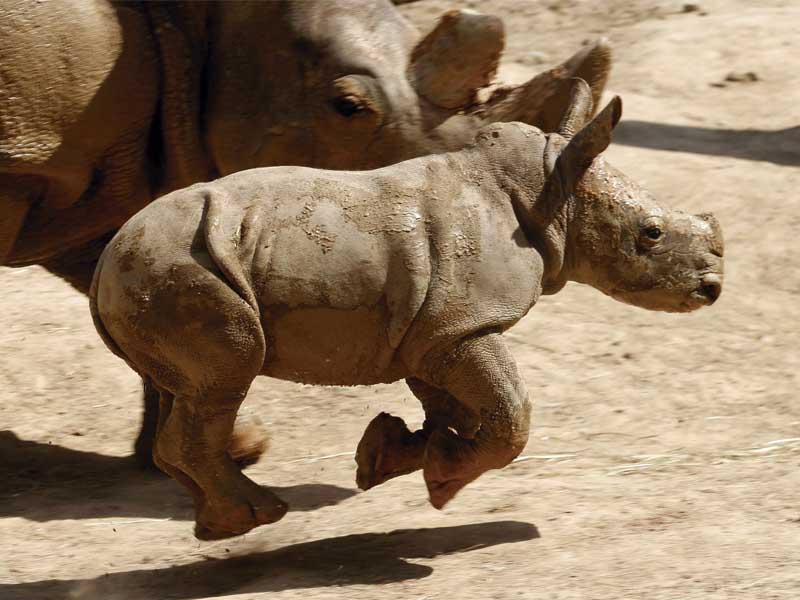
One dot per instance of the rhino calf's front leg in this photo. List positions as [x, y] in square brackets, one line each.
[481, 373]
[478, 373]
[389, 449]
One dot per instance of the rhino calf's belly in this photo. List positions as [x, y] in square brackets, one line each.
[327, 346]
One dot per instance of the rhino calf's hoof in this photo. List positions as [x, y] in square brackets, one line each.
[450, 463]
[249, 442]
[220, 521]
[387, 450]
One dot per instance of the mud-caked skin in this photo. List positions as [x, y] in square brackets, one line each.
[412, 271]
[106, 105]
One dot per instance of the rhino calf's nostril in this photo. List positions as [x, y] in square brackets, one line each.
[711, 287]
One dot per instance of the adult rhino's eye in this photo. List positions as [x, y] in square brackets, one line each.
[654, 233]
[348, 106]
[356, 97]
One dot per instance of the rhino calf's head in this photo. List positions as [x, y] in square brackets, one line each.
[629, 247]
[594, 224]
[621, 240]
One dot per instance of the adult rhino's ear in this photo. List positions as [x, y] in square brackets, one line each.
[457, 58]
[579, 110]
[594, 137]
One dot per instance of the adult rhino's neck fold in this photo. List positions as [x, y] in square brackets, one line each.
[181, 32]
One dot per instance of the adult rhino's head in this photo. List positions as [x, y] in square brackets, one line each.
[596, 226]
[352, 85]
[621, 240]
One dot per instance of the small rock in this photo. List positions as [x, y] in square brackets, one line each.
[534, 58]
[690, 8]
[741, 77]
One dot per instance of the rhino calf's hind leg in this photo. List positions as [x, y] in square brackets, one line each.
[248, 442]
[162, 410]
[203, 361]
[194, 441]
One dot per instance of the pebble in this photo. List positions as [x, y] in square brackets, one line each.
[742, 76]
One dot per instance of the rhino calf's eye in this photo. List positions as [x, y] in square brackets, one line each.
[653, 233]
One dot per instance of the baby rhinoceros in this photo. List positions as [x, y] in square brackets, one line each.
[412, 271]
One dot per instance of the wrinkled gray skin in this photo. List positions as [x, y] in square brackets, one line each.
[411, 272]
[105, 105]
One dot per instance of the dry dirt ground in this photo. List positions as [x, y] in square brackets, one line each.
[664, 463]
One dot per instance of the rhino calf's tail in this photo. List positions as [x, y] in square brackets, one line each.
[226, 227]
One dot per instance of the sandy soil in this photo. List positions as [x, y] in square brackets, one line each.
[664, 463]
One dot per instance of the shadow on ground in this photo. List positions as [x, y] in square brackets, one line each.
[363, 559]
[781, 147]
[43, 482]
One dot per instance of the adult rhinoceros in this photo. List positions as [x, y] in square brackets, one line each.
[105, 105]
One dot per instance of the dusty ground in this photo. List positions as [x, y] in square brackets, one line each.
[664, 463]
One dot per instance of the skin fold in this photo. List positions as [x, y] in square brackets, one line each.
[106, 105]
[411, 271]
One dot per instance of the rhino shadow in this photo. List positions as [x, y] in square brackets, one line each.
[361, 559]
[781, 147]
[43, 482]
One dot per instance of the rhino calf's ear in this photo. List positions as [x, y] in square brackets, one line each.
[592, 139]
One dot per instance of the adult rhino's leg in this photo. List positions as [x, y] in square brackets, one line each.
[76, 266]
[481, 374]
[389, 449]
[143, 446]
[16, 196]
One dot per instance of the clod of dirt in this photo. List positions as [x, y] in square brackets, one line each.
[689, 8]
[742, 77]
[736, 77]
